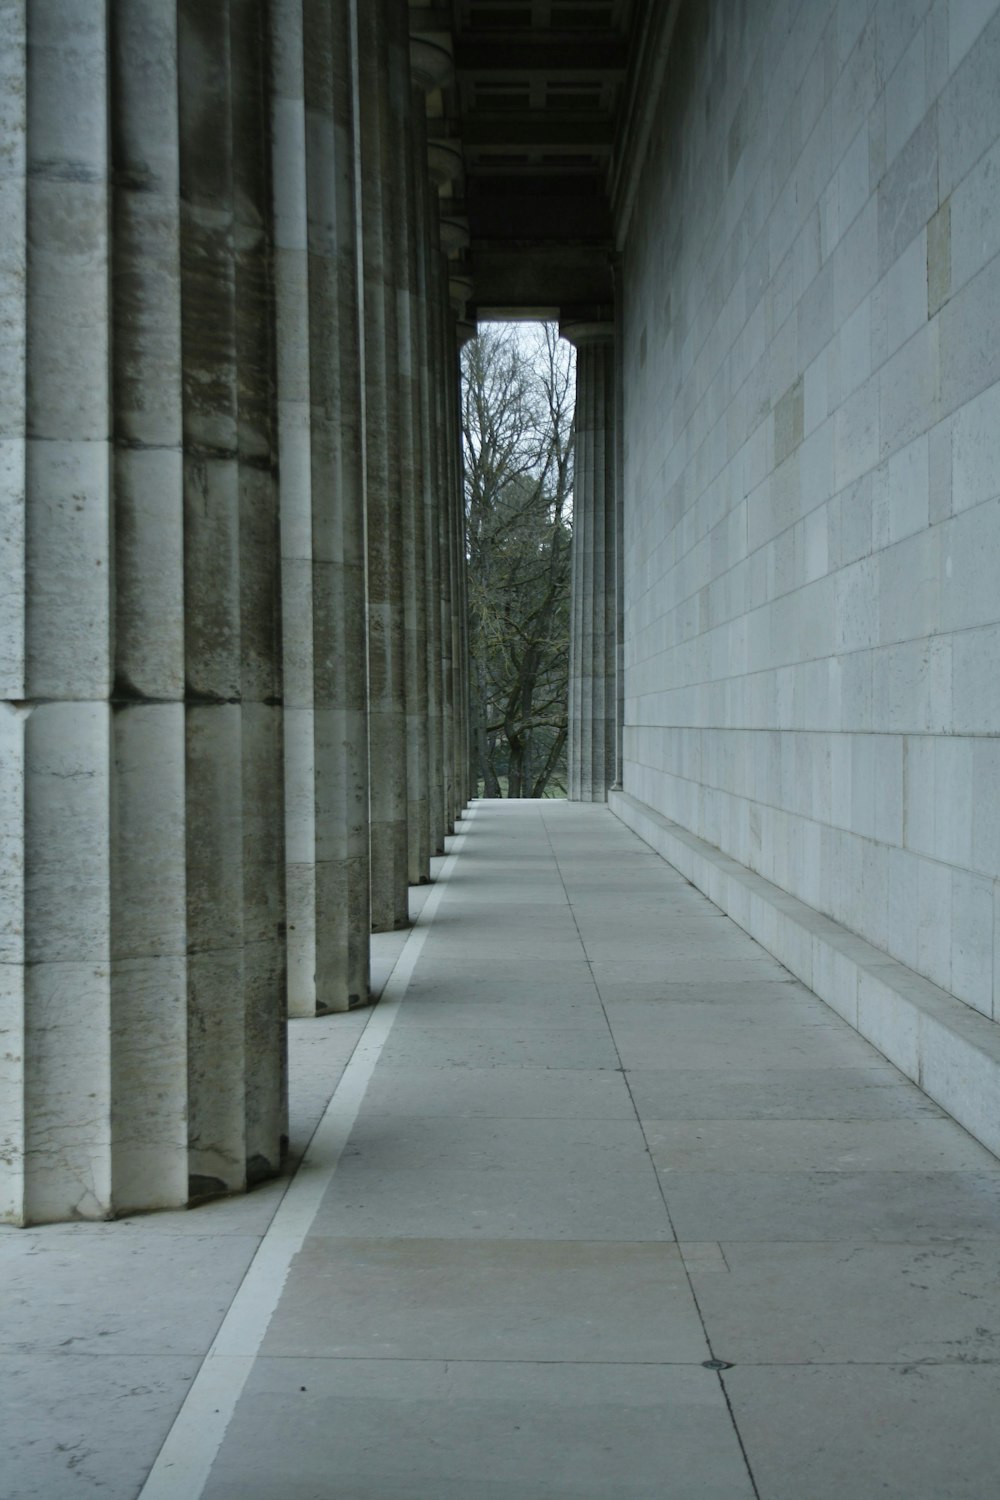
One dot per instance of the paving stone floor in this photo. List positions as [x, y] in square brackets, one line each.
[592, 1140]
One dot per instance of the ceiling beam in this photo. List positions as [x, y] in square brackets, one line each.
[601, 56]
[548, 207]
[529, 275]
[537, 130]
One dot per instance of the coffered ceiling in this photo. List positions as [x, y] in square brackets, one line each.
[535, 103]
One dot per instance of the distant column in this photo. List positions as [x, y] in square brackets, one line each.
[408, 124]
[593, 672]
[458, 748]
[426, 78]
[439, 647]
[322, 506]
[446, 432]
[381, 186]
[464, 330]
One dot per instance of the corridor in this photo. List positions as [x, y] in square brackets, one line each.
[592, 1143]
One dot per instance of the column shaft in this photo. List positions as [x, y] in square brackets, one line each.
[322, 506]
[235, 906]
[57, 990]
[380, 188]
[456, 554]
[426, 236]
[143, 998]
[593, 709]
[445, 434]
[405, 146]
[264, 1083]
[148, 890]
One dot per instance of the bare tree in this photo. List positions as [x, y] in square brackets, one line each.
[518, 419]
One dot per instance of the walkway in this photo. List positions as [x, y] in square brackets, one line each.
[593, 1144]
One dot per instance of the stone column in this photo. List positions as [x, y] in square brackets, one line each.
[431, 69]
[464, 331]
[264, 920]
[593, 710]
[55, 1001]
[407, 110]
[444, 358]
[148, 885]
[446, 167]
[438, 646]
[142, 1001]
[453, 592]
[380, 189]
[322, 506]
[426, 372]
[456, 330]
[235, 896]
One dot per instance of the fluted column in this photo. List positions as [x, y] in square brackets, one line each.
[464, 330]
[407, 119]
[322, 506]
[431, 68]
[380, 189]
[439, 649]
[445, 355]
[458, 755]
[426, 231]
[55, 1005]
[235, 823]
[593, 676]
[142, 1001]
[148, 889]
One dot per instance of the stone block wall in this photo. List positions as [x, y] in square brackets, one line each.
[811, 374]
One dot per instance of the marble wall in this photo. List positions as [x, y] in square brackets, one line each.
[811, 381]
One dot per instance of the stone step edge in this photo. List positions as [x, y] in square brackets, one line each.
[949, 1050]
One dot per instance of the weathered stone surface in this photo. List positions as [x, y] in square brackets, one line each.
[811, 526]
[144, 896]
[313, 124]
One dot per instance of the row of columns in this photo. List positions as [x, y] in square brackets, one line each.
[232, 555]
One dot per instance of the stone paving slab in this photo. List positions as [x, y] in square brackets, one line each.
[563, 1047]
[874, 1091]
[705, 1040]
[880, 1304]
[489, 1143]
[548, 1301]
[77, 1424]
[415, 1430]
[563, 1093]
[869, 1432]
[813, 1146]
[598, 1198]
[804, 1205]
[56, 1283]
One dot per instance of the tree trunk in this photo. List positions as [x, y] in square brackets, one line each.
[552, 760]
